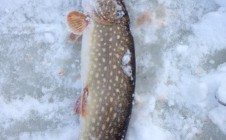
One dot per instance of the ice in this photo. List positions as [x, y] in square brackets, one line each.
[180, 81]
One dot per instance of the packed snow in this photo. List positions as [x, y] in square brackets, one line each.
[180, 81]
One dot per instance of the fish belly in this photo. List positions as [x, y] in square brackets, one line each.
[85, 53]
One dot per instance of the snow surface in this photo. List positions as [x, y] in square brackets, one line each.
[221, 93]
[181, 68]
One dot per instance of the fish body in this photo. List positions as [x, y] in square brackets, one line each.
[108, 72]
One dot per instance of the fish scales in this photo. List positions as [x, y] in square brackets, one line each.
[109, 81]
[110, 89]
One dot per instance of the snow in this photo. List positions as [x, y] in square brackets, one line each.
[217, 115]
[210, 31]
[126, 57]
[221, 94]
[181, 70]
[127, 69]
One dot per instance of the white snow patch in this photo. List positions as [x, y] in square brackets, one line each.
[217, 115]
[88, 6]
[10, 5]
[127, 70]
[49, 38]
[182, 49]
[154, 132]
[125, 64]
[221, 2]
[210, 31]
[221, 93]
[18, 109]
[126, 57]
[68, 133]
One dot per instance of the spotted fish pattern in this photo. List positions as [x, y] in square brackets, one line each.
[110, 87]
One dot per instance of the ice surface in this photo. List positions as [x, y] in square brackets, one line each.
[181, 69]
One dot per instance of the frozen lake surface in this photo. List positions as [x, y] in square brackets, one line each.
[181, 70]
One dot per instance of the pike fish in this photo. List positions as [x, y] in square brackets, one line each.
[107, 69]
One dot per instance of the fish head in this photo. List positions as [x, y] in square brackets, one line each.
[105, 11]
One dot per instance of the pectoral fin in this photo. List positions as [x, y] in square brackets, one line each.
[77, 22]
[77, 107]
